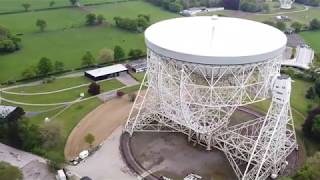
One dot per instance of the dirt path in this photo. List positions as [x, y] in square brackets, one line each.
[100, 122]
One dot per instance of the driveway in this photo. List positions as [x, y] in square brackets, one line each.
[106, 163]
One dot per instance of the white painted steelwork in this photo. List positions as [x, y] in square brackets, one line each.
[286, 4]
[198, 99]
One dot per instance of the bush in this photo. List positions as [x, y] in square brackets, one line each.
[136, 25]
[91, 19]
[132, 97]
[135, 53]
[314, 24]
[250, 6]
[310, 93]
[106, 55]
[8, 172]
[120, 93]
[94, 89]
[8, 42]
[174, 7]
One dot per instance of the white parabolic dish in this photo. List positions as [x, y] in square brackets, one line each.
[215, 40]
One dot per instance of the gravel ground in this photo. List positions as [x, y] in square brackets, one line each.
[106, 163]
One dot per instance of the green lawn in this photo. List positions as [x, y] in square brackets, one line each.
[57, 84]
[68, 120]
[304, 17]
[56, 20]
[312, 38]
[70, 44]
[131, 10]
[16, 5]
[58, 97]
[298, 102]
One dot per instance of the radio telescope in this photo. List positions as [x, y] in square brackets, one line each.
[200, 70]
[286, 4]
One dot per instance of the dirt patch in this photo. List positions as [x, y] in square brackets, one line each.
[100, 122]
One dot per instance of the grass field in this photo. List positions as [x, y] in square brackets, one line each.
[68, 120]
[304, 16]
[312, 38]
[59, 97]
[67, 44]
[16, 5]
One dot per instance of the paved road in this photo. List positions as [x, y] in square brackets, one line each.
[106, 163]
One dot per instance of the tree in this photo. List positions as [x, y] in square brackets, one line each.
[132, 97]
[317, 87]
[118, 53]
[73, 2]
[58, 66]
[8, 42]
[88, 59]
[266, 8]
[29, 72]
[94, 89]
[51, 134]
[52, 3]
[175, 7]
[296, 26]
[310, 93]
[126, 23]
[310, 170]
[135, 53]
[26, 6]
[120, 93]
[44, 66]
[42, 24]
[281, 25]
[30, 135]
[106, 55]
[9, 172]
[100, 19]
[91, 19]
[314, 24]
[89, 138]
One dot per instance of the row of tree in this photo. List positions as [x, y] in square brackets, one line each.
[107, 55]
[309, 2]
[138, 24]
[44, 67]
[314, 24]
[93, 19]
[253, 6]
[8, 42]
[30, 137]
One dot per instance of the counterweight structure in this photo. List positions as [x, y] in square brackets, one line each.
[193, 86]
[286, 4]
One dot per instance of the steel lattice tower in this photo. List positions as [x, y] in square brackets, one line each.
[286, 4]
[196, 95]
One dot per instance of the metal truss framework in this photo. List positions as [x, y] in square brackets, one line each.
[286, 4]
[198, 100]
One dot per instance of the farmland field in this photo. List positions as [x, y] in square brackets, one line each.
[313, 39]
[16, 5]
[66, 38]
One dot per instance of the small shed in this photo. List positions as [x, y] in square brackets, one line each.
[106, 72]
[10, 113]
[137, 65]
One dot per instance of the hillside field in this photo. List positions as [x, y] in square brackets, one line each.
[66, 37]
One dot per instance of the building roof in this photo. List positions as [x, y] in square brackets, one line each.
[215, 40]
[107, 70]
[6, 110]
